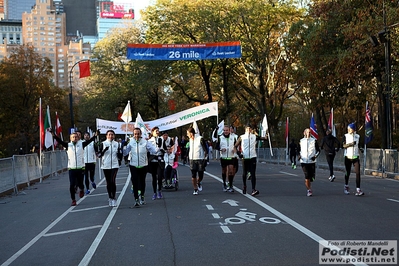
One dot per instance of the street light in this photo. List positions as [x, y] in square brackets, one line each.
[70, 87]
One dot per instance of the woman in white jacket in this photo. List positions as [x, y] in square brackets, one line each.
[137, 148]
[109, 153]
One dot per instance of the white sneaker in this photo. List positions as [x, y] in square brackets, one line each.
[331, 178]
[309, 194]
[195, 192]
[113, 203]
[199, 186]
[359, 193]
[346, 190]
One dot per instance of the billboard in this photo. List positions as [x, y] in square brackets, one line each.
[119, 10]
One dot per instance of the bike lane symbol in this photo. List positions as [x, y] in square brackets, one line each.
[243, 216]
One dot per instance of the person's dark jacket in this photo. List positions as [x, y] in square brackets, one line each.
[330, 144]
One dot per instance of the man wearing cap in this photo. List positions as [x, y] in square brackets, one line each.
[350, 143]
[330, 144]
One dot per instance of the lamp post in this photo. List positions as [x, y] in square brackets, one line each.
[70, 87]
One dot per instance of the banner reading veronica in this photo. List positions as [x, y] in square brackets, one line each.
[173, 121]
[197, 51]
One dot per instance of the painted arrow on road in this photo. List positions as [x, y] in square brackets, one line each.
[233, 203]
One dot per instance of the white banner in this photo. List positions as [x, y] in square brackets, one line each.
[172, 121]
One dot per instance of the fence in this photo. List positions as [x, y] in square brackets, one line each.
[25, 169]
[22, 170]
[373, 161]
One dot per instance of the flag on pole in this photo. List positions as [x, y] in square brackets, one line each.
[264, 127]
[313, 128]
[41, 126]
[220, 131]
[140, 124]
[287, 132]
[264, 132]
[368, 127]
[58, 129]
[195, 126]
[84, 69]
[331, 125]
[48, 138]
[127, 113]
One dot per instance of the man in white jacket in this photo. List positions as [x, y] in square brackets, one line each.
[137, 148]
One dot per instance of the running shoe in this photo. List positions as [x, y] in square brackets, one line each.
[244, 190]
[142, 200]
[254, 192]
[159, 196]
[88, 192]
[199, 186]
[93, 185]
[331, 178]
[73, 203]
[249, 176]
[113, 203]
[294, 166]
[137, 203]
[81, 194]
[154, 197]
[195, 192]
[309, 193]
[346, 190]
[224, 187]
[359, 193]
[110, 202]
[230, 189]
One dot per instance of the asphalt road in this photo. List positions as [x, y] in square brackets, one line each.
[280, 226]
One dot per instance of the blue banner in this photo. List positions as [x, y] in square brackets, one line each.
[184, 51]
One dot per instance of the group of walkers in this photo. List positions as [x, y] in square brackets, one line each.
[308, 150]
[155, 154]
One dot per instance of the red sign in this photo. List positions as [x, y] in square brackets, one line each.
[120, 11]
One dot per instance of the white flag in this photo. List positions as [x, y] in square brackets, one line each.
[48, 138]
[127, 113]
[220, 131]
[264, 126]
[140, 124]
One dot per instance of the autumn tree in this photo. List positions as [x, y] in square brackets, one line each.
[25, 76]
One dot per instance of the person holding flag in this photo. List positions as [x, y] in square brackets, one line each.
[90, 163]
[76, 164]
[225, 145]
[198, 153]
[247, 143]
[350, 143]
[157, 163]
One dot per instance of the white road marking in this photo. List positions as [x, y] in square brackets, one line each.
[286, 219]
[73, 231]
[216, 215]
[93, 208]
[288, 173]
[393, 200]
[209, 207]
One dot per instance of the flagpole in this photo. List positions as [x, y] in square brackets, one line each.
[365, 145]
[286, 139]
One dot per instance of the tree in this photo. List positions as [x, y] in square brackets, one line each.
[25, 76]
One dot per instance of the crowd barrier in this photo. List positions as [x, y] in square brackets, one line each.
[23, 170]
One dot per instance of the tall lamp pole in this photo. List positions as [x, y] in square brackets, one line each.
[70, 87]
